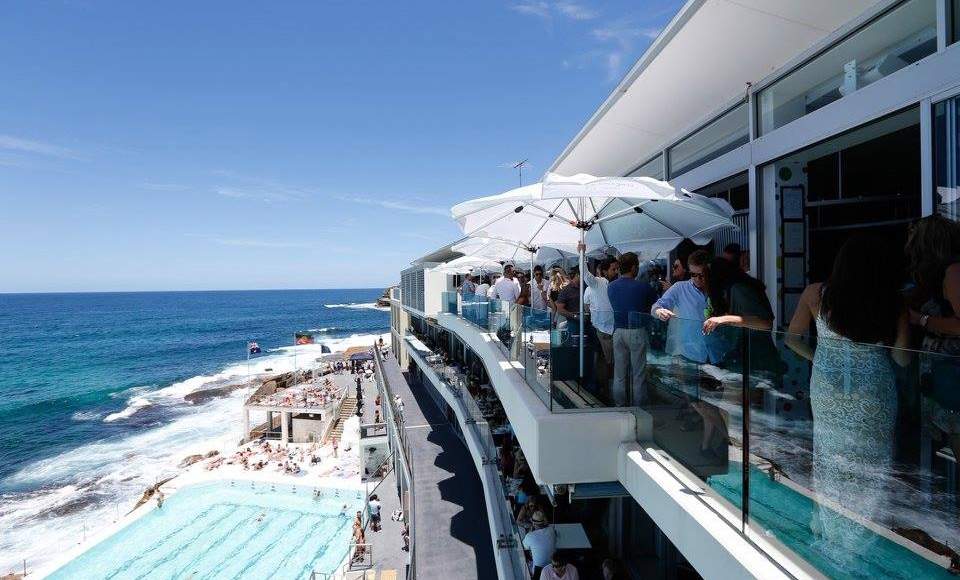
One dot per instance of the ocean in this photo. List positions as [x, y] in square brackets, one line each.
[92, 387]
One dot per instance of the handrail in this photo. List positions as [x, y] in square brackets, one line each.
[504, 525]
[397, 435]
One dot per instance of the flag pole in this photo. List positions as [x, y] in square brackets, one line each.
[295, 379]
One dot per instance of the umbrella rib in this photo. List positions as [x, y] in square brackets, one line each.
[622, 212]
[543, 225]
[603, 234]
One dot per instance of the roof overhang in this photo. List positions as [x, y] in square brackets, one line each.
[439, 256]
[700, 63]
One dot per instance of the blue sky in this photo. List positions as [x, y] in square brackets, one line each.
[222, 145]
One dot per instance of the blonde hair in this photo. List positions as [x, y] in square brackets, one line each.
[558, 280]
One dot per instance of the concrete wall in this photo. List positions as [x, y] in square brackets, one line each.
[303, 428]
[576, 447]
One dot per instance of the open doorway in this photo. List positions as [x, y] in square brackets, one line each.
[865, 180]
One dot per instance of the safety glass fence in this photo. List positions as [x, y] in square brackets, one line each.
[842, 453]
[851, 454]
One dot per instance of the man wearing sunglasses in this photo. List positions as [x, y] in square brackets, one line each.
[684, 304]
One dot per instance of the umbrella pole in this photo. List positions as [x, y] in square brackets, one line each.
[582, 270]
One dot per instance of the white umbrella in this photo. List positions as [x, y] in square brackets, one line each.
[467, 264]
[629, 213]
[507, 251]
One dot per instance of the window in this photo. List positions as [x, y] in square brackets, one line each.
[652, 168]
[726, 133]
[946, 161]
[736, 191]
[954, 19]
[900, 37]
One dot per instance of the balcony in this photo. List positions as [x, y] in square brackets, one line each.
[830, 469]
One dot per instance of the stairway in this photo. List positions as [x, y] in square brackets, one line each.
[347, 409]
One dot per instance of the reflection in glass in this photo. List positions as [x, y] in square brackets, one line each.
[652, 168]
[897, 39]
[726, 133]
[946, 161]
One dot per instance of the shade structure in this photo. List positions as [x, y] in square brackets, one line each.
[509, 252]
[468, 264]
[638, 214]
[493, 249]
[360, 356]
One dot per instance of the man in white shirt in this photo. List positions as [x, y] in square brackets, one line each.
[494, 278]
[373, 505]
[482, 288]
[601, 315]
[507, 288]
[539, 290]
[541, 542]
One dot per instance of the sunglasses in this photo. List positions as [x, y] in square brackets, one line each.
[698, 276]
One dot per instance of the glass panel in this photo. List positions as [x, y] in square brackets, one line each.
[899, 38]
[534, 352]
[946, 161]
[724, 134]
[449, 302]
[848, 465]
[868, 179]
[652, 168]
[955, 21]
[475, 310]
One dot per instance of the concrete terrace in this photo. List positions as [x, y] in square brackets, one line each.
[452, 532]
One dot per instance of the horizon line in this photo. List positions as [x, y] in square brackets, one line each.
[6, 293]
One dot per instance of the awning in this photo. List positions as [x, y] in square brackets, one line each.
[700, 62]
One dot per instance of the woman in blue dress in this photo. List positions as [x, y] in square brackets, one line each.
[859, 314]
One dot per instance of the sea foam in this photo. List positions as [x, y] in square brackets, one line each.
[76, 493]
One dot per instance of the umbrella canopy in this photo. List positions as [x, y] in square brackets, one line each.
[366, 355]
[512, 252]
[628, 213]
[467, 264]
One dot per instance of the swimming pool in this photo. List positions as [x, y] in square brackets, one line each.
[228, 529]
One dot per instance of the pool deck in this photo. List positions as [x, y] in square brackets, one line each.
[452, 532]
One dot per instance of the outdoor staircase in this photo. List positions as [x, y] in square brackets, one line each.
[347, 409]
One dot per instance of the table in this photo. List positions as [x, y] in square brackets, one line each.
[571, 537]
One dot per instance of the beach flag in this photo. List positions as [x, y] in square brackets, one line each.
[303, 338]
[253, 348]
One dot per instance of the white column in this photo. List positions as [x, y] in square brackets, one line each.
[284, 427]
[246, 425]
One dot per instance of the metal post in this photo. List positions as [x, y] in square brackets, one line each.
[582, 264]
[745, 427]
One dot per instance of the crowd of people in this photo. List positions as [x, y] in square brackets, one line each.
[881, 334]
[318, 393]
[258, 455]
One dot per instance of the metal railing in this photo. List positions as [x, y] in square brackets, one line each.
[393, 419]
[508, 540]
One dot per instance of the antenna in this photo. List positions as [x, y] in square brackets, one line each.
[519, 167]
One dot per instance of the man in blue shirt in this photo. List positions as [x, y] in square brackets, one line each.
[684, 304]
[630, 299]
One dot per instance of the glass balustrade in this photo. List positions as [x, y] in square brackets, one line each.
[843, 453]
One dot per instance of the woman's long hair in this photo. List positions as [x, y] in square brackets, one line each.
[933, 244]
[861, 300]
